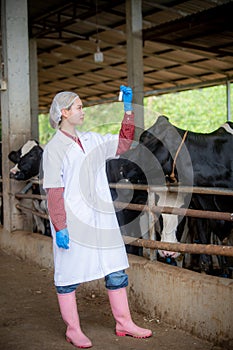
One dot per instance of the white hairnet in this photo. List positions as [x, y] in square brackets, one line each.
[61, 100]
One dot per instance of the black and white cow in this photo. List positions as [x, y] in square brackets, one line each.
[27, 161]
[200, 160]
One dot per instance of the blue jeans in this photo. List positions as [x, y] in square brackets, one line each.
[114, 280]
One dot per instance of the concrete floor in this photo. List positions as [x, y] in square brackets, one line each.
[30, 319]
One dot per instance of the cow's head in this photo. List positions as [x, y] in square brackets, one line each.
[27, 161]
[152, 163]
[172, 228]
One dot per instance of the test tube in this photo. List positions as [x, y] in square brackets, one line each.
[120, 96]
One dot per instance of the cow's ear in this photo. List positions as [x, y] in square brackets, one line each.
[164, 116]
[14, 156]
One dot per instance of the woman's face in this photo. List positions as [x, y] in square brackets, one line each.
[75, 115]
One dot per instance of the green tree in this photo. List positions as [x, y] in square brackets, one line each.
[202, 110]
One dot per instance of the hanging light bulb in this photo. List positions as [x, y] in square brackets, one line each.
[98, 55]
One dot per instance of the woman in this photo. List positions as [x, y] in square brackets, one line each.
[87, 242]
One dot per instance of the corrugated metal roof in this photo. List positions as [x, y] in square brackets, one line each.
[186, 44]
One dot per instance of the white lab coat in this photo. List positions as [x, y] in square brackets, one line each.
[96, 245]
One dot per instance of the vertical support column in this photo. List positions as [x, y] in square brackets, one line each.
[34, 89]
[15, 101]
[152, 220]
[228, 86]
[135, 60]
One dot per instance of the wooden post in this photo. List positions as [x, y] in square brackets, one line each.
[228, 88]
[15, 102]
[151, 203]
[34, 89]
[135, 60]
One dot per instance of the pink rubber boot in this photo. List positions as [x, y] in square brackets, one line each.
[69, 312]
[120, 309]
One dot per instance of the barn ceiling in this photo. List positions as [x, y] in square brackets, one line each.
[186, 44]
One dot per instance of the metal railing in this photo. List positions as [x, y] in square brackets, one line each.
[153, 212]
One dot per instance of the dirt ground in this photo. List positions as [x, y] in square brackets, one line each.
[30, 319]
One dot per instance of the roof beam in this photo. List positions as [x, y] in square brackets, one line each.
[221, 13]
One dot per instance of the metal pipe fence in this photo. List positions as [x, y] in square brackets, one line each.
[153, 214]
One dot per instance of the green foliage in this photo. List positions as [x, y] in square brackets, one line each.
[202, 110]
[45, 130]
[104, 118]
